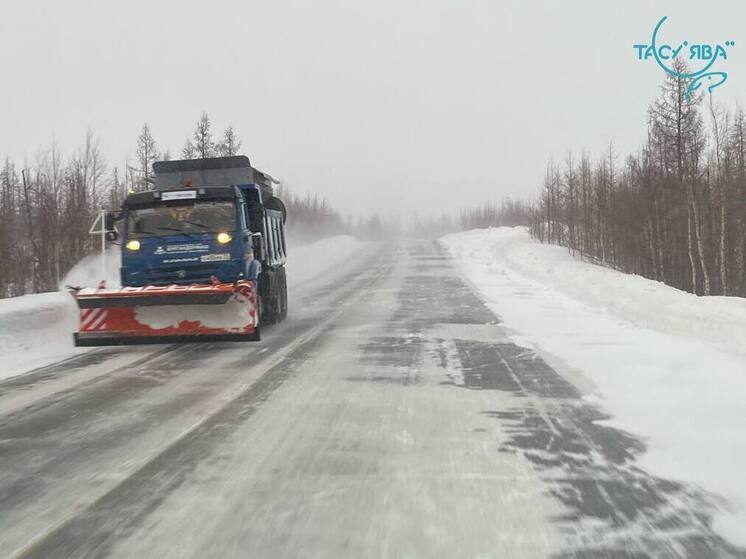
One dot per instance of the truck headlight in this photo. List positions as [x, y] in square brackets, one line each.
[133, 245]
[224, 238]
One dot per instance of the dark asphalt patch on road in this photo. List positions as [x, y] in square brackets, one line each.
[508, 367]
[591, 469]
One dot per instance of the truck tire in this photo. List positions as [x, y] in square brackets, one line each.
[283, 296]
[270, 297]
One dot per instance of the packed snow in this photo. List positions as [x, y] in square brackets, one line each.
[36, 330]
[668, 365]
[234, 315]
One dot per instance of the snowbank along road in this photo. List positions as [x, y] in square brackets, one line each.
[389, 416]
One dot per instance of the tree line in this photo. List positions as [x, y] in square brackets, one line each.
[47, 208]
[675, 211]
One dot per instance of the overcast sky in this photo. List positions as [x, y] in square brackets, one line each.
[376, 105]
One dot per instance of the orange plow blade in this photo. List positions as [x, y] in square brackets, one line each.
[166, 314]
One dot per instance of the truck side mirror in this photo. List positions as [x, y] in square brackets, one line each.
[256, 218]
[256, 239]
[109, 220]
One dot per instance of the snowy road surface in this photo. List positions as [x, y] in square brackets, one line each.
[390, 416]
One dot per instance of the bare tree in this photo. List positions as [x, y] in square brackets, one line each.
[188, 151]
[147, 153]
[203, 142]
[677, 125]
[230, 144]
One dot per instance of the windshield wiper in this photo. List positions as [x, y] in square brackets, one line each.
[197, 224]
[164, 228]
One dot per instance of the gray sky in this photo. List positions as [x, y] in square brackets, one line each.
[375, 105]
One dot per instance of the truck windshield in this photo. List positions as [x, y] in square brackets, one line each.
[187, 219]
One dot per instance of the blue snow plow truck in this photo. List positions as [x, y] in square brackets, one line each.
[203, 258]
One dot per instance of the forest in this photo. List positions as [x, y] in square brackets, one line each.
[675, 211]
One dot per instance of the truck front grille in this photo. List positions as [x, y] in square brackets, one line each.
[200, 273]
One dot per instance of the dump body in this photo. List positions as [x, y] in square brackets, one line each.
[203, 258]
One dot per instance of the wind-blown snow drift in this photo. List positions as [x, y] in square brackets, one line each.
[669, 366]
[37, 329]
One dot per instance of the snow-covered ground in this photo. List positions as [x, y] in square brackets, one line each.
[669, 366]
[37, 329]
